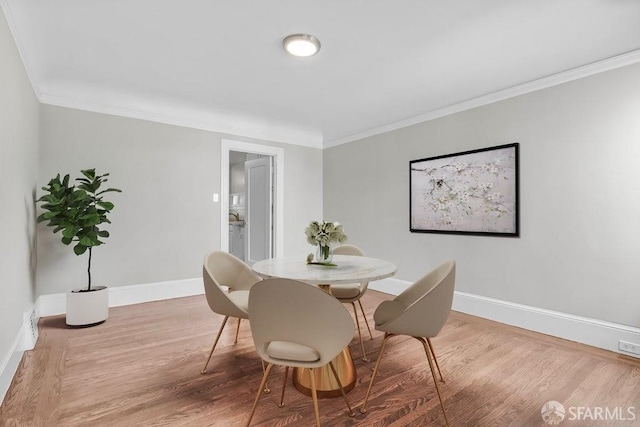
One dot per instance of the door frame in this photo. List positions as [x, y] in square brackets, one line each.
[278, 163]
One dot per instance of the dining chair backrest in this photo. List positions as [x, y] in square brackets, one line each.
[352, 250]
[223, 269]
[425, 305]
[348, 250]
[353, 292]
[291, 311]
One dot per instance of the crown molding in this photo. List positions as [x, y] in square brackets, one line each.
[532, 86]
[28, 65]
[188, 117]
[271, 131]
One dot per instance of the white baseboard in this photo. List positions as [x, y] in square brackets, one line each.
[8, 370]
[593, 332]
[25, 340]
[54, 304]
[136, 294]
[389, 286]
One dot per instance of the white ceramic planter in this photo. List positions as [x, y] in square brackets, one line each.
[87, 308]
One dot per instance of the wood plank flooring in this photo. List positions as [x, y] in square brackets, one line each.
[142, 368]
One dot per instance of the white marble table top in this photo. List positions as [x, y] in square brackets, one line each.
[349, 269]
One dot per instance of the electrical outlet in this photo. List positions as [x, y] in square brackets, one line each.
[34, 325]
[30, 330]
[629, 347]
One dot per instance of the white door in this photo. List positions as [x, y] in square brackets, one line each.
[259, 215]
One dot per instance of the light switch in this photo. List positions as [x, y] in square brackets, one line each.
[216, 197]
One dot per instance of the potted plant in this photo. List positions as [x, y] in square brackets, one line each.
[78, 211]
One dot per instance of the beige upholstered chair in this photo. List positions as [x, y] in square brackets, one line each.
[420, 312]
[349, 293]
[294, 324]
[223, 269]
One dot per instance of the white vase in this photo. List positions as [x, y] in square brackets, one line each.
[87, 308]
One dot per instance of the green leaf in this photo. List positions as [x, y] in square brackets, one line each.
[70, 232]
[67, 240]
[79, 195]
[326, 264]
[92, 220]
[49, 215]
[48, 198]
[89, 214]
[50, 206]
[107, 205]
[103, 233]
[89, 173]
[86, 187]
[110, 190]
[79, 249]
[86, 241]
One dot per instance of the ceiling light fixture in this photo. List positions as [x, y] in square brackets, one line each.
[301, 44]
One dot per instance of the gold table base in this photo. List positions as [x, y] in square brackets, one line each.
[326, 384]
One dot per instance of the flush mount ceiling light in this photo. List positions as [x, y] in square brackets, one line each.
[301, 44]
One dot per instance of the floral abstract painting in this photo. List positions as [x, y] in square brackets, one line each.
[473, 192]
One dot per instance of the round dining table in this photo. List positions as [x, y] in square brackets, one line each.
[347, 269]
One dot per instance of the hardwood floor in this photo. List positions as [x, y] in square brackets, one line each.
[142, 367]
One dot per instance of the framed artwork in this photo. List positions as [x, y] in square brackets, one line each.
[472, 192]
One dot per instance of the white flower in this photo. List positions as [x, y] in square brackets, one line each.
[459, 167]
[463, 198]
[486, 186]
[490, 168]
[494, 197]
[324, 233]
[441, 204]
[447, 220]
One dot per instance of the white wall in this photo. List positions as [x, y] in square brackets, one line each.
[580, 204]
[18, 171]
[165, 220]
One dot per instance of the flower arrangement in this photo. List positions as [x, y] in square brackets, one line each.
[321, 234]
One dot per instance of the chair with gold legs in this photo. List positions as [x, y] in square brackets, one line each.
[294, 324]
[349, 293]
[419, 312]
[223, 269]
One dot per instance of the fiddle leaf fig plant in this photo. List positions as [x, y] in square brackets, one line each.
[78, 211]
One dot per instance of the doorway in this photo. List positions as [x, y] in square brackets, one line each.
[251, 195]
[251, 214]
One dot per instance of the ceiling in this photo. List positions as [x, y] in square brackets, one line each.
[219, 65]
